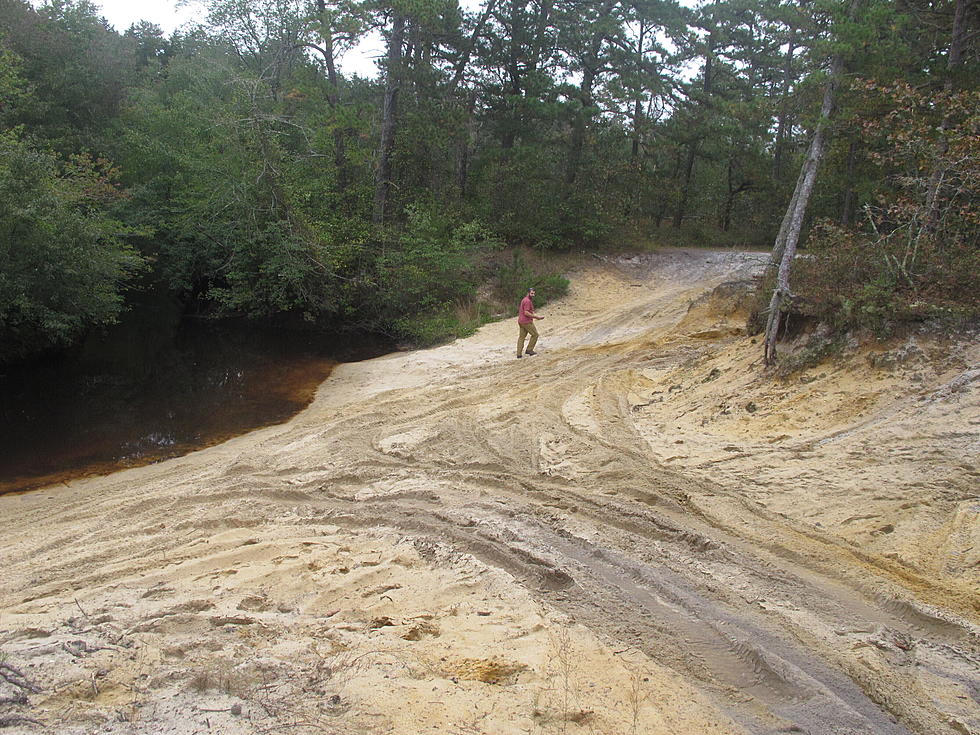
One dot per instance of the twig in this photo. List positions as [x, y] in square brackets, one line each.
[15, 677]
[11, 720]
[286, 725]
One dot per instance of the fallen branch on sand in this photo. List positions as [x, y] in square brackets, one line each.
[16, 678]
[11, 720]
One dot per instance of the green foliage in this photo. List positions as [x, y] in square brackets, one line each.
[707, 234]
[443, 323]
[509, 274]
[13, 88]
[432, 266]
[851, 280]
[231, 204]
[63, 260]
[820, 346]
[513, 278]
[77, 69]
[918, 252]
[563, 217]
[273, 269]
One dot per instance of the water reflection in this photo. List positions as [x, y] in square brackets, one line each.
[157, 387]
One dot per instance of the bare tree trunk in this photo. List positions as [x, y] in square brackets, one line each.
[847, 207]
[776, 257]
[580, 125]
[789, 232]
[942, 147]
[783, 120]
[692, 152]
[694, 145]
[393, 74]
[333, 95]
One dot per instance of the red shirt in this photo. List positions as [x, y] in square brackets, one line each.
[527, 308]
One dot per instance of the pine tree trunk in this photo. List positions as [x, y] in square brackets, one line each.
[464, 57]
[694, 145]
[637, 135]
[333, 96]
[515, 77]
[579, 126]
[776, 257]
[638, 102]
[339, 145]
[782, 123]
[393, 75]
[847, 207]
[692, 152]
[733, 191]
[466, 137]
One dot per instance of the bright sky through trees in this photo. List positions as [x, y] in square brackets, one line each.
[165, 13]
[172, 14]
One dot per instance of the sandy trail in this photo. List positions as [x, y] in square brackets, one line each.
[636, 531]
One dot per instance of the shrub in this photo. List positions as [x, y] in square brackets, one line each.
[443, 323]
[63, 259]
[852, 280]
[514, 278]
[918, 253]
[461, 314]
[432, 263]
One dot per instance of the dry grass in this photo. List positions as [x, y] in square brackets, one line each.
[221, 677]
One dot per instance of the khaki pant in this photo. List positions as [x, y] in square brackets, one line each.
[527, 329]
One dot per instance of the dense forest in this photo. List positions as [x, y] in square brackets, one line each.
[235, 162]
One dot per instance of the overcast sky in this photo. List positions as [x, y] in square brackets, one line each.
[165, 13]
[121, 14]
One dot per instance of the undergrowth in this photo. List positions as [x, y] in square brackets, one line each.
[821, 345]
[506, 278]
[850, 281]
[512, 277]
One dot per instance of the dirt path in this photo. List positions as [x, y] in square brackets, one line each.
[632, 532]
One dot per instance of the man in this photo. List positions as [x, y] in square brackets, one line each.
[525, 320]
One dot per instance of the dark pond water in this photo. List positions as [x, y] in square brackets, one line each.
[156, 386]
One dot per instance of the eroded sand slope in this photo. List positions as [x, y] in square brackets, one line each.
[635, 531]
